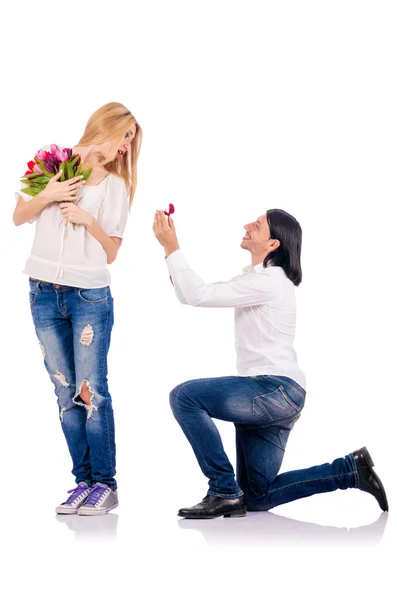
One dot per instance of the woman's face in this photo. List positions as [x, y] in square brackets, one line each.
[123, 145]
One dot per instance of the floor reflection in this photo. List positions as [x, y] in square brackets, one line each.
[267, 528]
[91, 528]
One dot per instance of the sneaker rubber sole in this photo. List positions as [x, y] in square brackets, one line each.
[86, 511]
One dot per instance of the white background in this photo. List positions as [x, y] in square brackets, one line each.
[244, 106]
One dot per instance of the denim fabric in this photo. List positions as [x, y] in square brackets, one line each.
[73, 326]
[264, 409]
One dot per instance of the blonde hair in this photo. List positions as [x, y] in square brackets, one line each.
[110, 123]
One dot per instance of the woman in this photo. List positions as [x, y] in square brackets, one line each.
[267, 397]
[70, 298]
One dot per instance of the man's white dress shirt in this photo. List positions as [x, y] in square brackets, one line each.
[264, 314]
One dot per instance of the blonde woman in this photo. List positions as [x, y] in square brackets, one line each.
[70, 298]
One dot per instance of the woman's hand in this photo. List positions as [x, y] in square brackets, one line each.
[164, 230]
[58, 191]
[74, 214]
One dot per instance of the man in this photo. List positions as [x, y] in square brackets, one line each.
[266, 398]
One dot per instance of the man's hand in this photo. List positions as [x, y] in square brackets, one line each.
[164, 230]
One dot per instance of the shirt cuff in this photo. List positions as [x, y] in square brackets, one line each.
[176, 260]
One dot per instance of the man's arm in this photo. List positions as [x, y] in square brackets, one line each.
[178, 293]
[250, 290]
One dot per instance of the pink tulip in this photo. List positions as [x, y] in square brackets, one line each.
[61, 155]
[42, 154]
[54, 149]
[37, 170]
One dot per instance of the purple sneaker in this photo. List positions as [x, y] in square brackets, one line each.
[76, 499]
[100, 501]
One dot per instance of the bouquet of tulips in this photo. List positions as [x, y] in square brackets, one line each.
[46, 164]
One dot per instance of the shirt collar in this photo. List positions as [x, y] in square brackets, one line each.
[259, 268]
[256, 268]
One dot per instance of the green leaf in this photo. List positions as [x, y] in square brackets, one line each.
[30, 191]
[31, 176]
[69, 172]
[86, 174]
[62, 167]
[41, 179]
[47, 173]
[74, 161]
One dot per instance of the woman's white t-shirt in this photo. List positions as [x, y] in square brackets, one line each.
[73, 257]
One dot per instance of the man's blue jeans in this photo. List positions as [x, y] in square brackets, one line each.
[264, 409]
[73, 327]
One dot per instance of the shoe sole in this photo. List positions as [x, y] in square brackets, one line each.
[241, 512]
[86, 512]
[66, 511]
[371, 464]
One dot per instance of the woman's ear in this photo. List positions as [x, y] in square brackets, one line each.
[274, 245]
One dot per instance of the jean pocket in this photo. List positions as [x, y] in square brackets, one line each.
[33, 290]
[32, 297]
[275, 406]
[94, 295]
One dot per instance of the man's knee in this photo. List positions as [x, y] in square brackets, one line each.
[180, 398]
[256, 485]
[175, 398]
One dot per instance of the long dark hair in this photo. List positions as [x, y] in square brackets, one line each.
[285, 228]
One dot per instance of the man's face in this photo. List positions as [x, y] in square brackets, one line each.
[257, 236]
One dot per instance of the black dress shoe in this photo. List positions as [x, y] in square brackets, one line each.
[368, 479]
[213, 506]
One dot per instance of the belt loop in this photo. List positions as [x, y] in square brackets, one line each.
[38, 286]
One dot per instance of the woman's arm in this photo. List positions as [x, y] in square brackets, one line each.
[25, 211]
[74, 214]
[111, 245]
[55, 191]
